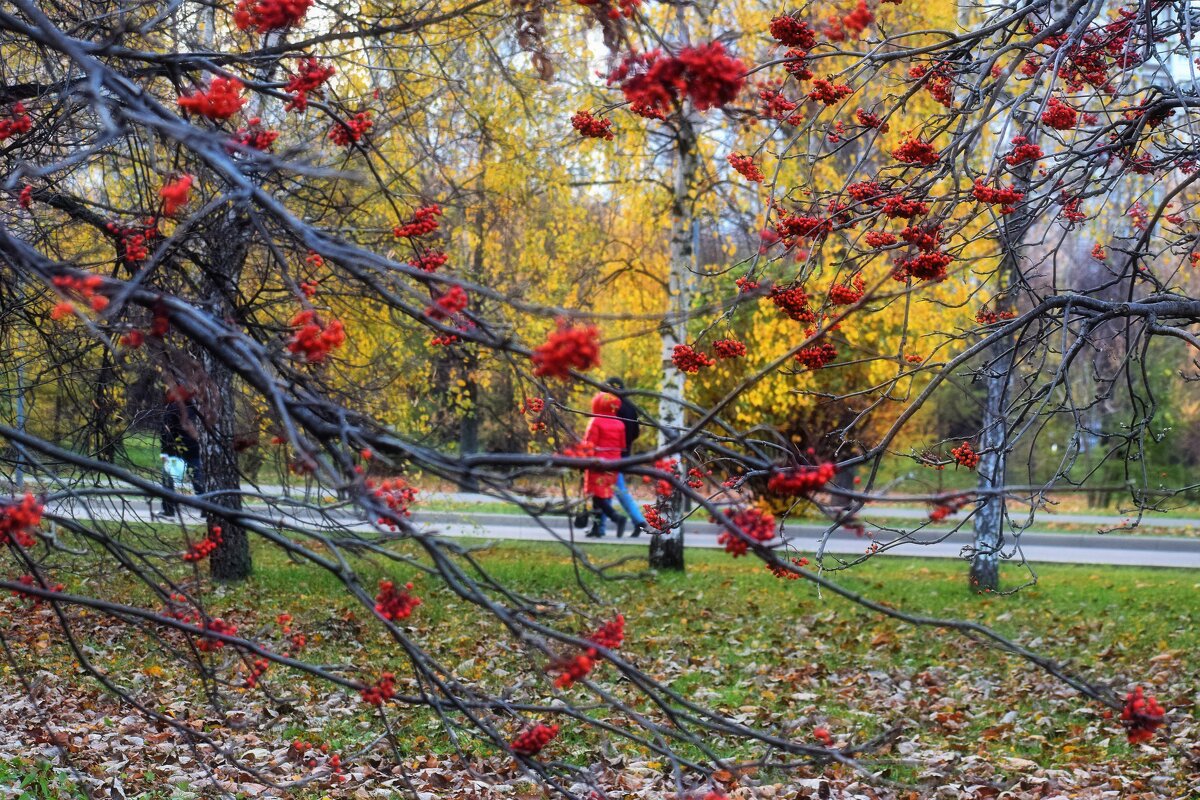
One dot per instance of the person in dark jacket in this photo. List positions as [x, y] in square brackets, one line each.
[178, 438]
[628, 413]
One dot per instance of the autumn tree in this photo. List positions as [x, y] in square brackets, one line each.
[263, 202]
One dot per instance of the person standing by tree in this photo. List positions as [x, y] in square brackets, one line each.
[606, 433]
[628, 413]
[179, 440]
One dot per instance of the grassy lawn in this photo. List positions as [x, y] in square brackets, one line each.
[728, 634]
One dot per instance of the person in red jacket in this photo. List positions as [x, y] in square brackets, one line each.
[606, 433]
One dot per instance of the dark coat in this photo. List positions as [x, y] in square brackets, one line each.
[177, 438]
[628, 414]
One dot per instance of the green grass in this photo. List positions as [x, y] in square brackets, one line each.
[27, 780]
[730, 633]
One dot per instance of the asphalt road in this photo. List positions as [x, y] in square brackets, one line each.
[1069, 548]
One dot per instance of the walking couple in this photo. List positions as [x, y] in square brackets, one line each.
[611, 431]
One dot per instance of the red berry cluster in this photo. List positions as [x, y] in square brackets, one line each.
[797, 66]
[662, 486]
[755, 523]
[984, 316]
[221, 100]
[297, 640]
[592, 127]
[1006, 198]
[573, 669]
[841, 294]
[695, 478]
[1142, 716]
[86, 288]
[313, 340]
[928, 263]
[16, 122]
[817, 356]
[688, 360]
[175, 195]
[780, 571]
[793, 302]
[35, 601]
[429, 260]
[775, 105]
[346, 133]
[25, 196]
[1059, 115]
[204, 548]
[914, 151]
[869, 120]
[965, 456]
[381, 691]
[257, 670]
[880, 239]
[395, 603]
[745, 167]
[533, 405]
[824, 91]
[823, 736]
[215, 625]
[792, 32]
[943, 510]
[307, 80]
[654, 519]
[857, 20]
[899, 206]
[424, 221]
[255, 136]
[792, 227]
[1072, 212]
[566, 348]
[729, 348]
[135, 242]
[530, 742]
[611, 634]
[937, 83]
[1022, 152]
[269, 15]
[653, 82]
[309, 288]
[801, 480]
[449, 304]
[397, 494]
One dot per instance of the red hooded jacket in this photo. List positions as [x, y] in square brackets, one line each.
[606, 432]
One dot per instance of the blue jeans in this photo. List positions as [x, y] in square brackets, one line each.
[632, 509]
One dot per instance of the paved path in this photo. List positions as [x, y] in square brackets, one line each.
[1091, 548]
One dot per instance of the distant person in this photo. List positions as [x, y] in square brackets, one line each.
[606, 433]
[173, 470]
[628, 413]
[178, 440]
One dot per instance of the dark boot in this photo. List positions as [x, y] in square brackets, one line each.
[637, 531]
[595, 532]
[621, 526]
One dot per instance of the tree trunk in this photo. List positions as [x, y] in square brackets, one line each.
[231, 560]
[993, 437]
[228, 251]
[989, 516]
[468, 423]
[666, 550]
